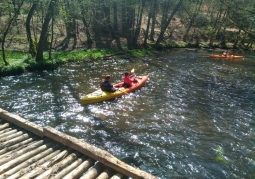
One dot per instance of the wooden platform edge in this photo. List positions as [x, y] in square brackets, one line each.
[76, 144]
[96, 153]
[21, 122]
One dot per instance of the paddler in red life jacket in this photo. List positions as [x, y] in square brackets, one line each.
[225, 53]
[128, 80]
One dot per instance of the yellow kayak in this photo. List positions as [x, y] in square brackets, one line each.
[99, 95]
[228, 56]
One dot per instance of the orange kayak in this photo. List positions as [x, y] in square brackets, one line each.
[228, 56]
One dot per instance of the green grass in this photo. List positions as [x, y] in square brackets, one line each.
[19, 62]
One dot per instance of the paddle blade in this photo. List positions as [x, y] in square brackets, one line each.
[133, 70]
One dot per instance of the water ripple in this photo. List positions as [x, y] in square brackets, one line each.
[194, 118]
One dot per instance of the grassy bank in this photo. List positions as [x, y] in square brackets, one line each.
[20, 62]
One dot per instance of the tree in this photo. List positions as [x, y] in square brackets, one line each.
[146, 33]
[166, 24]
[17, 10]
[192, 16]
[86, 25]
[49, 14]
[153, 19]
[32, 44]
[138, 24]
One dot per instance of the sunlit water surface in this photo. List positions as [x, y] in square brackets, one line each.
[194, 118]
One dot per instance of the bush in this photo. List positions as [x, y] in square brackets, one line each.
[10, 70]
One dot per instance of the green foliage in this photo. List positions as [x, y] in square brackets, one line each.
[13, 69]
[139, 53]
[78, 55]
[202, 21]
[42, 65]
[21, 62]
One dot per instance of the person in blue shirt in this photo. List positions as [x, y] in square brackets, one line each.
[106, 85]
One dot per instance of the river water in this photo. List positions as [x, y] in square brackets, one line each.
[194, 118]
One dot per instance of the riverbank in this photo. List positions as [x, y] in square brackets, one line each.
[20, 61]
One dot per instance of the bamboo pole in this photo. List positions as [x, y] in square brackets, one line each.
[14, 141]
[20, 152]
[41, 168]
[106, 174]
[97, 154]
[13, 152]
[5, 130]
[20, 159]
[59, 166]
[28, 169]
[94, 171]
[9, 135]
[3, 126]
[17, 145]
[117, 176]
[71, 167]
[12, 136]
[29, 161]
[59, 157]
[81, 169]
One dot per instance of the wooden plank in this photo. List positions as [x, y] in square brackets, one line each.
[106, 174]
[30, 161]
[59, 166]
[78, 171]
[4, 126]
[97, 154]
[15, 145]
[94, 171]
[31, 167]
[21, 158]
[70, 168]
[19, 121]
[14, 141]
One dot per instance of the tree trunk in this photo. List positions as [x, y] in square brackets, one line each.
[40, 47]
[32, 45]
[215, 28]
[192, 19]
[153, 18]
[146, 34]
[52, 35]
[123, 18]
[115, 31]
[7, 29]
[86, 25]
[130, 15]
[161, 35]
[138, 24]
[70, 25]
[97, 23]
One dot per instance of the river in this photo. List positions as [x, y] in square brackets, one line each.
[194, 117]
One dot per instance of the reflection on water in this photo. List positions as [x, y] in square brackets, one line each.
[194, 118]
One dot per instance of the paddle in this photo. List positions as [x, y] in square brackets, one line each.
[133, 71]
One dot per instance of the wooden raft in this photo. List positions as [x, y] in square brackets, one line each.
[30, 151]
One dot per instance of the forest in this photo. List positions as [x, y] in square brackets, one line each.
[38, 26]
